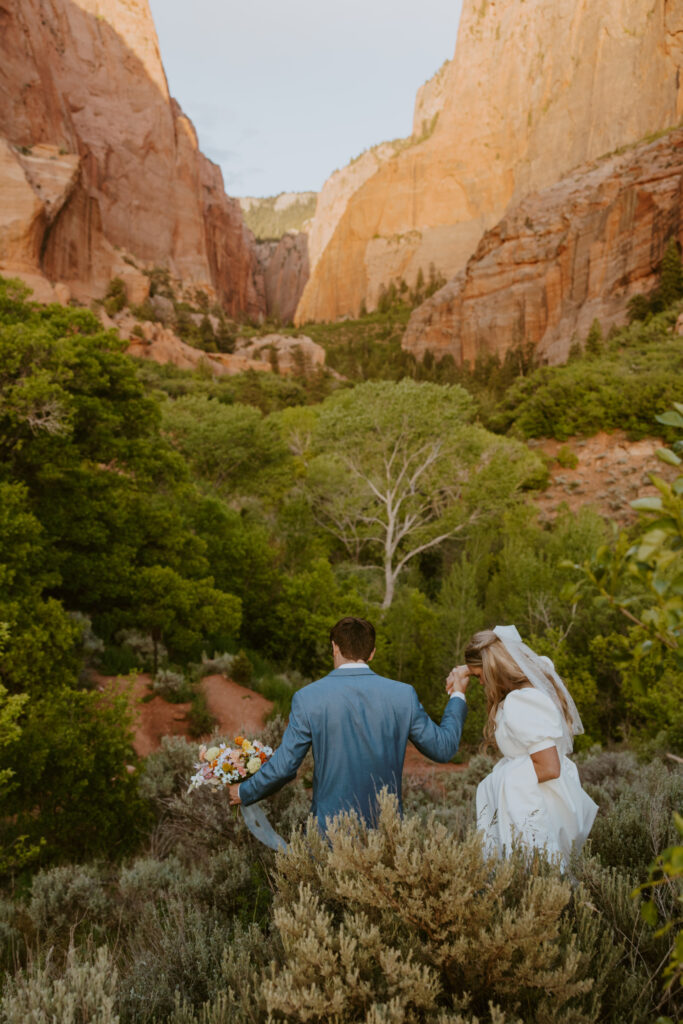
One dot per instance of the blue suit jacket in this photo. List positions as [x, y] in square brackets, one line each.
[358, 724]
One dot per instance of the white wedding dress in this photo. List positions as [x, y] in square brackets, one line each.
[512, 804]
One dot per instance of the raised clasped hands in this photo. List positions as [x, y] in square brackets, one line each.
[458, 680]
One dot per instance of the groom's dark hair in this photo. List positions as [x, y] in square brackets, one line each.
[355, 638]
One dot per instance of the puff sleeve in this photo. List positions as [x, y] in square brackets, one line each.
[532, 720]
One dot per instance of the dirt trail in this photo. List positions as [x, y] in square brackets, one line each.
[236, 708]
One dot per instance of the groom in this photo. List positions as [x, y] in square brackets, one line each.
[358, 724]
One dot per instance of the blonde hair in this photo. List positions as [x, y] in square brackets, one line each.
[500, 675]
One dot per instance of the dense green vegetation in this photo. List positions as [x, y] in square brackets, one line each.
[169, 521]
[273, 216]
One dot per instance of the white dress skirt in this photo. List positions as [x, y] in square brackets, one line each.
[512, 805]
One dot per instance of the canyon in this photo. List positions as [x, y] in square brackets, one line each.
[534, 91]
[101, 175]
[503, 188]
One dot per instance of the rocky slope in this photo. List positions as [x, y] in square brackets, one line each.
[560, 258]
[98, 162]
[534, 90]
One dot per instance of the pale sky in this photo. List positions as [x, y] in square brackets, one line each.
[283, 93]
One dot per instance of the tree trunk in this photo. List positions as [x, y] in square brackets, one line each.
[389, 585]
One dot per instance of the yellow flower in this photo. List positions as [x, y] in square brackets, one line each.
[212, 753]
[253, 764]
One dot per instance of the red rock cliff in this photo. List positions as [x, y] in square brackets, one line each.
[560, 258]
[82, 86]
[534, 90]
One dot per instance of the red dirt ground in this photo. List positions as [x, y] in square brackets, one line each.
[237, 709]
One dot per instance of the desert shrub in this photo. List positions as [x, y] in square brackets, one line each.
[116, 297]
[199, 718]
[218, 665]
[67, 899]
[167, 771]
[242, 669]
[10, 933]
[81, 991]
[467, 931]
[236, 984]
[172, 686]
[567, 458]
[148, 878]
[635, 820]
[182, 954]
[641, 954]
[141, 645]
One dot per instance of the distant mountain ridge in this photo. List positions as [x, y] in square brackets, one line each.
[272, 217]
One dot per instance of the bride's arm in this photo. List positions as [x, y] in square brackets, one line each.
[546, 764]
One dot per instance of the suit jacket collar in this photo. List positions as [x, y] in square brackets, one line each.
[357, 670]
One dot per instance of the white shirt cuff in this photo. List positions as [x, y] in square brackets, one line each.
[460, 695]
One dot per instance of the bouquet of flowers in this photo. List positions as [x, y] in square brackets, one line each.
[224, 765]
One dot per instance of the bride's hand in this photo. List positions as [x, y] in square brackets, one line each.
[458, 680]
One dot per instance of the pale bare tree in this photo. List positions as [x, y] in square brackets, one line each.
[398, 471]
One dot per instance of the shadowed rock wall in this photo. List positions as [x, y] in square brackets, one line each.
[85, 79]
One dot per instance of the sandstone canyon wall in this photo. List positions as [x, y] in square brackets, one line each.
[534, 90]
[285, 269]
[98, 162]
[573, 252]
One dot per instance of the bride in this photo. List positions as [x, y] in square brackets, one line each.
[533, 795]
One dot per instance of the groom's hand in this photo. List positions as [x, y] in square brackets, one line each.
[235, 794]
[458, 680]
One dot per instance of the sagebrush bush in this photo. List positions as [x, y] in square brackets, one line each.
[218, 665]
[167, 771]
[180, 954]
[635, 817]
[65, 899]
[142, 646]
[497, 931]
[635, 983]
[172, 686]
[80, 991]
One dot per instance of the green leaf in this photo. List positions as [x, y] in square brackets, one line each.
[652, 504]
[671, 419]
[666, 455]
[648, 912]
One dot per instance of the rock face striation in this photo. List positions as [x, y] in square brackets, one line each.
[284, 265]
[560, 258]
[98, 162]
[534, 90]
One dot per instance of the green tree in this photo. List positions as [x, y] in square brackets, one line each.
[643, 578]
[224, 444]
[671, 275]
[179, 611]
[594, 340]
[401, 469]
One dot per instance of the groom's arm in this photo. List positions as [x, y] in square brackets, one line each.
[284, 764]
[437, 742]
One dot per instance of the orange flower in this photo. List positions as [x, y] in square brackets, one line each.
[263, 757]
[239, 740]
